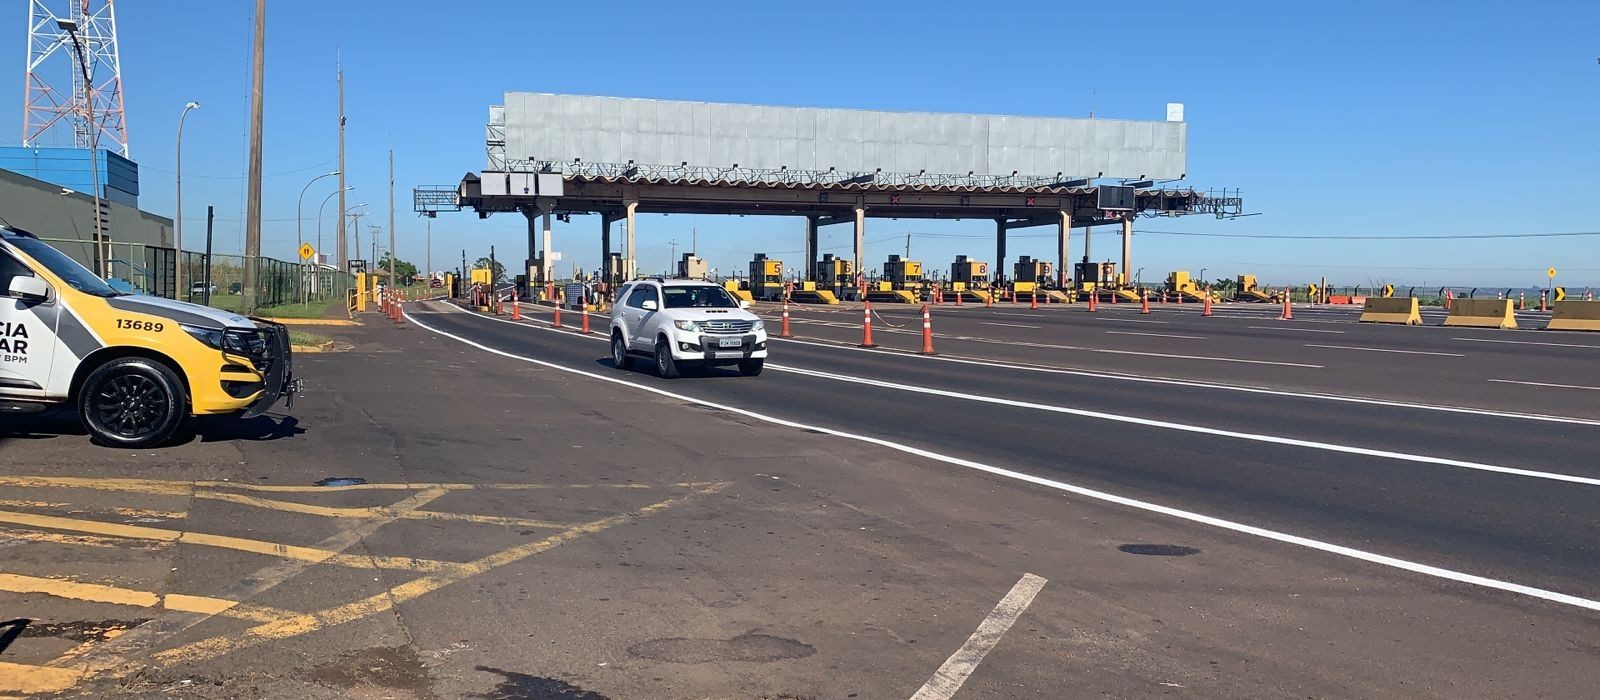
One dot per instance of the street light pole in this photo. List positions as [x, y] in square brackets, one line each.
[102, 250]
[298, 218]
[324, 207]
[177, 268]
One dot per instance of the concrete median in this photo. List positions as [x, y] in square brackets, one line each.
[1482, 313]
[1575, 316]
[1391, 310]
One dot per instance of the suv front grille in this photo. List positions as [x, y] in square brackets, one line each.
[720, 326]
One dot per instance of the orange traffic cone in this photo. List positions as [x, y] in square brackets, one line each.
[1288, 310]
[516, 310]
[785, 332]
[1093, 295]
[988, 301]
[585, 320]
[866, 325]
[1207, 304]
[1033, 300]
[1144, 304]
[959, 294]
[927, 331]
[557, 323]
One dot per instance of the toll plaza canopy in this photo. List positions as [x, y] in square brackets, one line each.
[618, 157]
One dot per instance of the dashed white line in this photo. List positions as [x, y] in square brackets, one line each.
[1288, 328]
[1131, 320]
[1403, 352]
[1147, 506]
[1528, 342]
[1008, 325]
[1156, 335]
[955, 670]
[1554, 386]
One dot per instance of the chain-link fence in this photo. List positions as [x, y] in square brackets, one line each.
[150, 270]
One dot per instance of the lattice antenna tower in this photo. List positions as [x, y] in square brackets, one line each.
[53, 65]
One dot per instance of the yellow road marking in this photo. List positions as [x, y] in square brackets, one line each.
[305, 623]
[82, 540]
[114, 595]
[20, 678]
[271, 549]
[373, 512]
[186, 488]
[130, 512]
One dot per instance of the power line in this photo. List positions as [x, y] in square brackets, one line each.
[1318, 237]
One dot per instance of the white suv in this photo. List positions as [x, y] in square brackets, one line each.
[685, 322]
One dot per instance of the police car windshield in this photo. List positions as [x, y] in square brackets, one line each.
[698, 297]
[64, 267]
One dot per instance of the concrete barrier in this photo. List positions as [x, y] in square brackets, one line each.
[1575, 316]
[1482, 313]
[1391, 310]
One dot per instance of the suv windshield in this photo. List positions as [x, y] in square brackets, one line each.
[698, 297]
[64, 267]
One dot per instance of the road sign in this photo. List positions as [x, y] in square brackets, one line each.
[1561, 293]
[307, 252]
[1388, 290]
[1311, 290]
[357, 266]
[1551, 272]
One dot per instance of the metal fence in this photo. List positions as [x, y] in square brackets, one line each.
[150, 270]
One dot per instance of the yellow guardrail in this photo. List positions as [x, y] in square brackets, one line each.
[1575, 316]
[1482, 313]
[1390, 310]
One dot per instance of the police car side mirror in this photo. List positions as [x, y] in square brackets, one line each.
[29, 288]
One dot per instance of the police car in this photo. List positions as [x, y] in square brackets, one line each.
[134, 367]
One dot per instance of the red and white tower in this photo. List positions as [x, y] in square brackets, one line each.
[56, 40]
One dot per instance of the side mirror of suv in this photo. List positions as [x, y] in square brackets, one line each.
[648, 305]
[29, 288]
[744, 303]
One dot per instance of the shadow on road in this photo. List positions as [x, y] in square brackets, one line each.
[55, 424]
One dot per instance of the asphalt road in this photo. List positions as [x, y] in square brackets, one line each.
[538, 524]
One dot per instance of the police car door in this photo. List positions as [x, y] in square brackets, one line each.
[27, 335]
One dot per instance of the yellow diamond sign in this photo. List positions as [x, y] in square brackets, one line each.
[1551, 272]
[306, 251]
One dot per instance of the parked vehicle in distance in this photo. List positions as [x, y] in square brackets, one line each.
[678, 323]
[200, 289]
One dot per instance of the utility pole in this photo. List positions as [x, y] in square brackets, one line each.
[343, 252]
[428, 255]
[393, 281]
[908, 246]
[252, 221]
[177, 270]
[375, 229]
[674, 260]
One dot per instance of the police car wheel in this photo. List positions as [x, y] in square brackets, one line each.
[132, 402]
[619, 352]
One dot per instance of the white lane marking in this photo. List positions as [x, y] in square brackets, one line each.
[1403, 352]
[1539, 417]
[1002, 313]
[1208, 385]
[1528, 342]
[1557, 386]
[1157, 335]
[1287, 328]
[1131, 320]
[1008, 325]
[1188, 428]
[1328, 547]
[955, 670]
[1108, 351]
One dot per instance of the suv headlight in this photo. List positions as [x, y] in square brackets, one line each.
[230, 340]
[758, 327]
[691, 326]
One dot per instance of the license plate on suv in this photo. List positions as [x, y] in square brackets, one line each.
[730, 342]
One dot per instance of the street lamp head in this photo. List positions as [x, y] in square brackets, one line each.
[192, 105]
[70, 25]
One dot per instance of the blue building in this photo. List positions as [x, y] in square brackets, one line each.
[71, 168]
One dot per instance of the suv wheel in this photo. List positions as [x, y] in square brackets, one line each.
[751, 368]
[665, 366]
[132, 402]
[619, 352]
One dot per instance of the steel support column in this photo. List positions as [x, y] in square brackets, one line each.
[810, 267]
[1063, 258]
[548, 269]
[999, 251]
[1127, 248]
[630, 256]
[861, 232]
[605, 250]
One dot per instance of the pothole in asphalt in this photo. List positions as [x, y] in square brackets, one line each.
[758, 648]
[1158, 550]
[342, 481]
[385, 667]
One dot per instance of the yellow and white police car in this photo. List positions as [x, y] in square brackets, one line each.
[133, 366]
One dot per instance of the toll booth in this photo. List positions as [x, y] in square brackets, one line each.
[613, 269]
[1029, 274]
[766, 278]
[1180, 285]
[971, 274]
[691, 267]
[835, 275]
[1093, 275]
[903, 274]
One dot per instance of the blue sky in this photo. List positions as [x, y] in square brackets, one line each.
[1335, 119]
